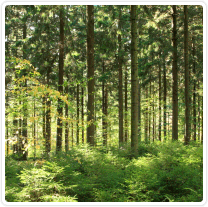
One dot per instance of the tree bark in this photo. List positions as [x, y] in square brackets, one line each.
[194, 92]
[126, 107]
[120, 83]
[139, 112]
[25, 111]
[48, 119]
[175, 79]
[149, 112]
[153, 114]
[187, 111]
[44, 119]
[134, 82]
[72, 131]
[104, 109]
[199, 114]
[160, 98]
[164, 99]
[82, 103]
[146, 116]
[34, 129]
[7, 125]
[90, 75]
[77, 114]
[66, 123]
[202, 120]
[60, 84]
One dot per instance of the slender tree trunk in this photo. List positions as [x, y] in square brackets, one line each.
[199, 113]
[168, 128]
[160, 98]
[149, 112]
[153, 114]
[146, 116]
[175, 79]
[194, 92]
[77, 114]
[126, 107]
[120, 84]
[134, 82]
[164, 98]
[104, 109]
[82, 103]
[15, 120]
[48, 120]
[20, 142]
[202, 120]
[34, 129]
[72, 131]
[7, 54]
[60, 84]
[139, 112]
[72, 93]
[106, 114]
[103, 106]
[44, 118]
[7, 125]
[95, 121]
[90, 75]
[25, 111]
[66, 123]
[187, 113]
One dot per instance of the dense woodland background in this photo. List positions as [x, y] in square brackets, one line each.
[106, 89]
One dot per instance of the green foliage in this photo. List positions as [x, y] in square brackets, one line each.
[167, 175]
[163, 172]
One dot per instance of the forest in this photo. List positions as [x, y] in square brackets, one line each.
[104, 103]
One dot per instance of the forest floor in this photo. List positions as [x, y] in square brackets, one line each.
[162, 172]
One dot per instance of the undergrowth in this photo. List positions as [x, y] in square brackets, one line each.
[162, 172]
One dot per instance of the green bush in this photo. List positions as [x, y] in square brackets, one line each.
[167, 176]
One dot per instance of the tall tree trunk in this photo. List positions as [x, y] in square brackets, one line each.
[164, 98]
[106, 114]
[90, 75]
[104, 108]
[120, 84]
[34, 128]
[44, 119]
[7, 124]
[187, 112]
[139, 112]
[153, 114]
[48, 119]
[77, 114]
[82, 103]
[126, 107]
[15, 119]
[25, 111]
[194, 92]
[134, 82]
[146, 116]
[160, 98]
[175, 79]
[199, 113]
[72, 131]
[20, 142]
[66, 123]
[202, 119]
[60, 83]
[149, 112]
